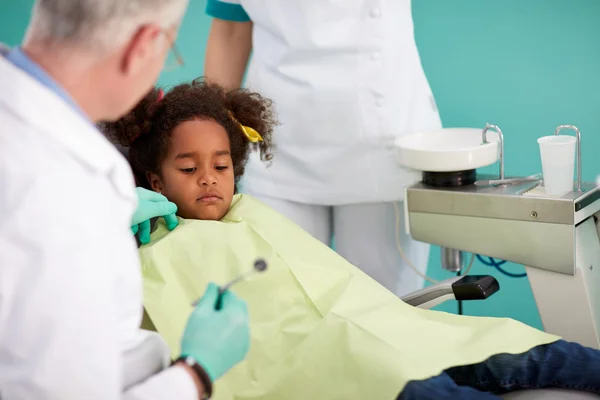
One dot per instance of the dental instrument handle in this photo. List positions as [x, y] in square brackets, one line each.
[236, 280]
[509, 181]
[224, 288]
[578, 138]
[260, 265]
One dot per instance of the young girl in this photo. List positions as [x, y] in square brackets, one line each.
[192, 143]
[320, 328]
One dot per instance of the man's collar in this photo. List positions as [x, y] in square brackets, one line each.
[22, 61]
[40, 108]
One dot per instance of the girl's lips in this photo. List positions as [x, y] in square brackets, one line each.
[209, 198]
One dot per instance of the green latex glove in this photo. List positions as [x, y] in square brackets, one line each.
[151, 205]
[217, 339]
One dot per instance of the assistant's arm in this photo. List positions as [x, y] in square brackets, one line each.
[229, 44]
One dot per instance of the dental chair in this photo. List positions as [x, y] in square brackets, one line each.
[480, 287]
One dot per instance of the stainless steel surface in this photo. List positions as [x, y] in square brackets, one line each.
[569, 306]
[500, 143]
[509, 181]
[512, 202]
[453, 260]
[540, 245]
[517, 223]
[578, 139]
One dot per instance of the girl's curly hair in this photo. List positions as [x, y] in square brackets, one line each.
[147, 128]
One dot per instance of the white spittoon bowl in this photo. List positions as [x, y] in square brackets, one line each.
[447, 150]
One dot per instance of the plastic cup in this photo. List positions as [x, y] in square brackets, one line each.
[558, 163]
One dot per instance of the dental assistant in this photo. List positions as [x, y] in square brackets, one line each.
[70, 282]
[347, 80]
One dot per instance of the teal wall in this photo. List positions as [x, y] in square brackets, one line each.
[192, 45]
[526, 66]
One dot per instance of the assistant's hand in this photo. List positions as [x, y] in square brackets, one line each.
[151, 205]
[217, 339]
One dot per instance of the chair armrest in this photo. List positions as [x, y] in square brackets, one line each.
[470, 287]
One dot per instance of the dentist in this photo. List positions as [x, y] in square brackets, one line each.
[70, 282]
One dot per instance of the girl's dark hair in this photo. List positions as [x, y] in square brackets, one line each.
[147, 128]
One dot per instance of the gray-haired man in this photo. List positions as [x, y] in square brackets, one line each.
[70, 283]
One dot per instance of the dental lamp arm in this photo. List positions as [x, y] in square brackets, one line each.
[470, 287]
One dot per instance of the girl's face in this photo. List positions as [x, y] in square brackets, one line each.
[197, 173]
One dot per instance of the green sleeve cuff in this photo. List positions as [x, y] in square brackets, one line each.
[226, 11]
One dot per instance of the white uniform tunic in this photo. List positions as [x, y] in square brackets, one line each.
[70, 282]
[346, 79]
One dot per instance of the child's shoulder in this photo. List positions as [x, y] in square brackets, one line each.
[249, 208]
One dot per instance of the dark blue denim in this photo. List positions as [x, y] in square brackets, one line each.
[560, 364]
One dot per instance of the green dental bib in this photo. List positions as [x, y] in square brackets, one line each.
[320, 327]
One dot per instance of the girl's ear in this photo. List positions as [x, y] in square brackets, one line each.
[155, 182]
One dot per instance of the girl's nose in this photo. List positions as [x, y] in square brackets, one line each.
[207, 180]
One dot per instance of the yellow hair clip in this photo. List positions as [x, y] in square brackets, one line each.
[250, 133]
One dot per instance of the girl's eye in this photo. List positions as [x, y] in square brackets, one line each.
[188, 170]
[221, 167]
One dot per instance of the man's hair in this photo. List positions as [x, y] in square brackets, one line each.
[102, 24]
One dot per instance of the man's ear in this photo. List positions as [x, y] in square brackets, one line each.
[155, 182]
[140, 49]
